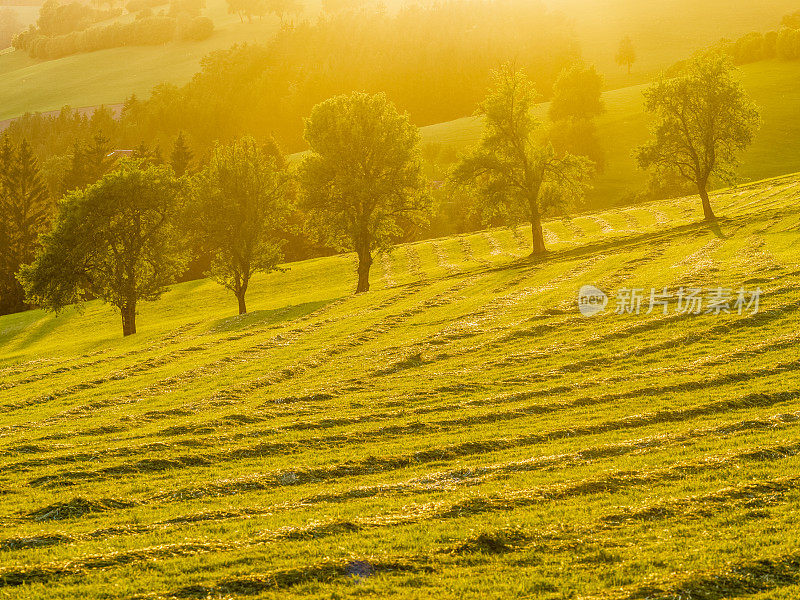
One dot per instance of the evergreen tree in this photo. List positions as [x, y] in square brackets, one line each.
[150, 156]
[181, 156]
[98, 159]
[26, 208]
[6, 272]
[75, 177]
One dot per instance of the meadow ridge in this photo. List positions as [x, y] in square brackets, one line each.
[459, 431]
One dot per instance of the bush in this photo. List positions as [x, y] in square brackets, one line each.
[199, 28]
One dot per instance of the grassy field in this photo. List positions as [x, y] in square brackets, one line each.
[773, 85]
[110, 76]
[459, 431]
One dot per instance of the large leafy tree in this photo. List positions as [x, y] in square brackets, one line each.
[26, 209]
[704, 119]
[577, 93]
[513, 172]
[116, 240]
[575, 103]
[241, 202]
[363, 179]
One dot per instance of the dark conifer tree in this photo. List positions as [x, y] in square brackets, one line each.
[181, 157]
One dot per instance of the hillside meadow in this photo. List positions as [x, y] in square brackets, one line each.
[459, 431]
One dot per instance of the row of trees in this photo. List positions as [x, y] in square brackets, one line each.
[783, 43]
[65, 29]
[123, 239]
[259, 8]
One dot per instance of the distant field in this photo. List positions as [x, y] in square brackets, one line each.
[774, 85]
[110, 76]
[664, 31]
[460, 431]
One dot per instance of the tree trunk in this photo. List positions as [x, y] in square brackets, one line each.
[128, 318]
[536, 232]
[364, 263]
[242, 305]
[707, 212]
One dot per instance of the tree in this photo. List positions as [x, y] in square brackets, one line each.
[363, 177]
[626, 55]
[26, 208]
[116, 240]
[89, 162]
[247, 8]
[148, 155]
[241, 199]
[577, 93]
[10, 25]
[181, 156]
[281, 8]
[704, 118]
[513, 172]
[576, 102]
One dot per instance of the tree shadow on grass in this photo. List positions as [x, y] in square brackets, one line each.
[23, 336]
[266, 317]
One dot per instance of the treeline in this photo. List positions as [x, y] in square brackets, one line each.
[74, 35]
[433, 62]
[783, 43]
[123, 232]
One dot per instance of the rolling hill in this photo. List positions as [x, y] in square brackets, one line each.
[459, 431]
[663, 32]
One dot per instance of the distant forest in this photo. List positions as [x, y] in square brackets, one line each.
[432, 62]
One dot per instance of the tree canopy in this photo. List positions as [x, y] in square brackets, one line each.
[704, 118]
[577, 93]
[241, 202]
[116, 240]
[25, 213]
[362, 179]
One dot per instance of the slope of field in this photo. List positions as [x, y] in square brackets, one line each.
[110, 76]
[459, 431]
[773, 85]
